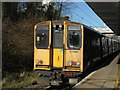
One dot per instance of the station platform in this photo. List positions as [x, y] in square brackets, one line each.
[107, 77]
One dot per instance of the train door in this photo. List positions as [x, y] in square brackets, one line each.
[57, 41]
[42, 42]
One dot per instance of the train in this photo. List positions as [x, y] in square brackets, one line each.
[63, 49]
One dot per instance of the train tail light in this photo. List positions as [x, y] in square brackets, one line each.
[74, 63]
[41, 62]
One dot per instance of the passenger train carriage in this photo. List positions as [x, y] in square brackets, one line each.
[65, 49]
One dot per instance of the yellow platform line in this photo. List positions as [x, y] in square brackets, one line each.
[118, 79]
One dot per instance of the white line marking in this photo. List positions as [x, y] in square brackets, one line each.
[83, 80]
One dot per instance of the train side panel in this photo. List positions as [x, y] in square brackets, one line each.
[92, 48]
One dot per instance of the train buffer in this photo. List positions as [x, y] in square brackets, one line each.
[107, 77]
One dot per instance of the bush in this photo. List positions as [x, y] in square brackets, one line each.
[17, 53]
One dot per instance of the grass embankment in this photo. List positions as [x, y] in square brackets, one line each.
[20, 80]
[17, 53]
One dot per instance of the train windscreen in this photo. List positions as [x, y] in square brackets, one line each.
[74, 37]
[42, 36]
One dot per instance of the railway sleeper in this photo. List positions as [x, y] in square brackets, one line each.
[55, 82]
[58, 78]
[73, 80]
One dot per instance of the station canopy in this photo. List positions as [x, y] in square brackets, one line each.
[109, 12]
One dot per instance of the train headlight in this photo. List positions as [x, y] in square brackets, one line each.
[70, 63]
[37, 61]
[78, 63]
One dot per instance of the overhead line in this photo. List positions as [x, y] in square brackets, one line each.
[86, 13]
[82, 17]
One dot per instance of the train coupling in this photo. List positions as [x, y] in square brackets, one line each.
[55, 82]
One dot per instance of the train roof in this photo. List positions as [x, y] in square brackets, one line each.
[93, 30]
[98, 32]
[88, 27]
[62, 22]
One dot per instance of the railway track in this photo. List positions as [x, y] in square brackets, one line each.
[64, 86]
[43, 82]
[68, 86]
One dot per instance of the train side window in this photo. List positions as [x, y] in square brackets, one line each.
[74, 37]
[42, 36]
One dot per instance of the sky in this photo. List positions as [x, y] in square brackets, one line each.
[82, 13]
[79, 12]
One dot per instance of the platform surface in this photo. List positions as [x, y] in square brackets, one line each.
[107, 77]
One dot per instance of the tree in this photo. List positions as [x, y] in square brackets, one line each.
[10, 10]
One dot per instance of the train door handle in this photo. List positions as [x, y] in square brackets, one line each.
[58, 58]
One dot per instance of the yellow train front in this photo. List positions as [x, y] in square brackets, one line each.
[59, 49]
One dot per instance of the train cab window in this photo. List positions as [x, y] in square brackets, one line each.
[74, 37]
[42, 36]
